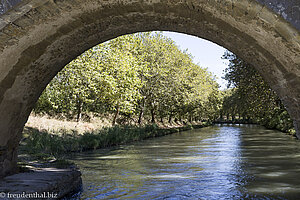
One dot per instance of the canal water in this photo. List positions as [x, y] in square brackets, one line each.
[219, 162]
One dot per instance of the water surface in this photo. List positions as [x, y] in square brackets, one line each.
[219, 162]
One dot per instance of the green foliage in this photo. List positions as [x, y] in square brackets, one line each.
[140, 77]
[251, 98]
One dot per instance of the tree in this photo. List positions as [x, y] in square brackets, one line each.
[252, 98]
[142, 75]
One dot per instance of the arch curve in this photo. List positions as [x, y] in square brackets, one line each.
[39, 37]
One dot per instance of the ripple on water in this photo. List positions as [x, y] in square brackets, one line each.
[220, 162]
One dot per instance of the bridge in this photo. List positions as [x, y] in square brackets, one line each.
[39, 37]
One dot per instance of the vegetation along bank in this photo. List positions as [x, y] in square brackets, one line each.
[138, 81]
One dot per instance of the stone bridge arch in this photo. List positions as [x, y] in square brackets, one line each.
[39, 37]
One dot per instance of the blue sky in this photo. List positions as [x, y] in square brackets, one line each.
[207, 54]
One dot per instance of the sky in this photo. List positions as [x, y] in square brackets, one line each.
[207, 54]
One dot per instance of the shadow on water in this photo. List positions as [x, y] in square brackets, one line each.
[219, 162]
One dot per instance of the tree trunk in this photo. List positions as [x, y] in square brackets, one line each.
[141, 113]
[221, 116]
[180, 120]
[79, 109]
[141, 116]
[152, 115]
[170, 119]
[191, 118]
[116, 115]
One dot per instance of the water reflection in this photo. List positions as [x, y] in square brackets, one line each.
[220, 162]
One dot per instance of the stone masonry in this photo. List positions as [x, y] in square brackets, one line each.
[39, 37]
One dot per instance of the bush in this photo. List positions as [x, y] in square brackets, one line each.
[44, 145]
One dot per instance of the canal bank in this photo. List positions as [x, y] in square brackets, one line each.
[42, 179]
[42, 145]
[269, 124]
[41, 183]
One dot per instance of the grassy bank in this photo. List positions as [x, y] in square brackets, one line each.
[44, 145]
[61, 124]
[285, 126]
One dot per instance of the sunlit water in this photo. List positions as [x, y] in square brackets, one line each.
[220, 162]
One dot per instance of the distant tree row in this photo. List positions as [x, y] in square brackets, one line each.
[145, 78]
[141, 77]
[250, 97]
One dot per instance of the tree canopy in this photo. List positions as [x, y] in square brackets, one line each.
[251, 97]
[143, 76]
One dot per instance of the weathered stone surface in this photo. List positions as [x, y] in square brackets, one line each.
[39, 37]
[47, 182]
[8, 157]
[288, 9]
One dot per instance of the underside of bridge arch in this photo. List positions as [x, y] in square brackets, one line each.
[39, 37]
